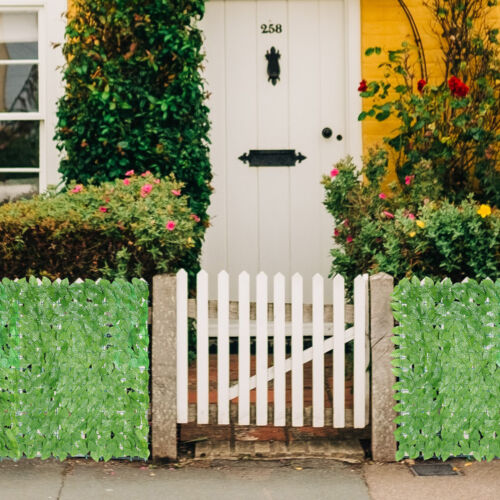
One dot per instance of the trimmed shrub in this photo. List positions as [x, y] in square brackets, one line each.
[401, 232]
[134, 227]
[134, 96]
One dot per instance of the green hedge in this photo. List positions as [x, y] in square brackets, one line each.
[134, 95]
[448, 365]
[118, 229]
[74, 369]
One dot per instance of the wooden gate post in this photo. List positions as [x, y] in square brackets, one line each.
[381, 324]
[164, 368]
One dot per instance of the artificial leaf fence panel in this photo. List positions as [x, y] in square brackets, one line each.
[74, 371]
[448, 366]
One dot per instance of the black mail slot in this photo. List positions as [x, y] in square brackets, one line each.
[272, 158]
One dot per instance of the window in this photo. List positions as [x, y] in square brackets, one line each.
[30, 84]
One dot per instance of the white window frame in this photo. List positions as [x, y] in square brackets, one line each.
[51, 29]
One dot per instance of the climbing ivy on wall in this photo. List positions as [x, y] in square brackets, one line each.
[134, 95]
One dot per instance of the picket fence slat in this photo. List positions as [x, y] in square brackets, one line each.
[318, 355]
[202, 373]
[297, 352]
[261, 358]
[338, 352]
[244, 349]
[279, 351]
[360, 352]
[182, 347]
[223, 349]
[278, 321]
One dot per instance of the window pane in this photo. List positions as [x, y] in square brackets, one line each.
[18, 35]
[14, 186]
[19, 88]
[19, 144]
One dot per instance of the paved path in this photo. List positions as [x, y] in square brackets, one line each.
[231, 480]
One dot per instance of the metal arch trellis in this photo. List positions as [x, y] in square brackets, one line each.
[418, 40]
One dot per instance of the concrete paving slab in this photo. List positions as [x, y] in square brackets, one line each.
[31, 479]
[394, 481]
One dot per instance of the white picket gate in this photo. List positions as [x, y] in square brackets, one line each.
[326, 325]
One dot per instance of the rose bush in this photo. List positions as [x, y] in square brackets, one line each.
[136, 226]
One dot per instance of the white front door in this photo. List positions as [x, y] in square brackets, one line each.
[271, 218]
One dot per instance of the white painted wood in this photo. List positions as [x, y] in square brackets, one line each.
[214, 257]
[297, 352]
[338, 352]
[279, 351]
[359, 384]
[279, 209]
[307, 356]
[182, 347]
[223, 349]
[318, 356]
[202, 374]
[261, 354]
[243, 388]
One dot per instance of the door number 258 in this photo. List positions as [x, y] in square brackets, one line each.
[271, 28]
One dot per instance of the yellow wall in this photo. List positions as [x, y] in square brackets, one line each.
[384, 24]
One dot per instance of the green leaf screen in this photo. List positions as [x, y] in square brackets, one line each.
[448, 368]
[74, 369]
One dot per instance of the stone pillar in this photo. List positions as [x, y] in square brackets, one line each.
[164, 368]
[381, 323]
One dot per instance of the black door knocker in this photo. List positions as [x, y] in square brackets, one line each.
[273, 65]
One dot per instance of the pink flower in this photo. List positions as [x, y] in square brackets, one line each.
[421, 84]
[382, 196]
[157, 181]
[336, 232]
[103, 209]
[411, 216]
[363, 86]
[126, 182]
[345, 222]
[349, 239]
[170, 225]
[129, 173]
[146, 189]
[409, 179]
[334, 172]
[176, 192]
[77, 188]
[195, 218]
[144, 174]
[388, 214]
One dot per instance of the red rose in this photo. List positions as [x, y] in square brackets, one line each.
[363, 87]
[421, 84]
[457, 87]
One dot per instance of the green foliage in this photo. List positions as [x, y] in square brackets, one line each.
[134, 96]
[74, 369]
[448, 364]
[404, 233]
[110, 231]
[452, 124]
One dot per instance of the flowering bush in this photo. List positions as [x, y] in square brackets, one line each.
[454, 122]
[404, 233]
[135, 226]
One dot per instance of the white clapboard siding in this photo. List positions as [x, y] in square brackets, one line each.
[182, 347]
[202, 374]
[338, 352]
[223, 349]
[297, 352]
[325, 339]
[243, 393]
